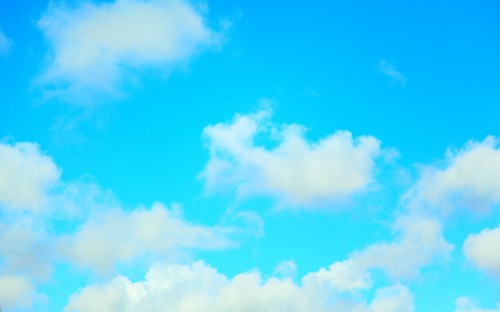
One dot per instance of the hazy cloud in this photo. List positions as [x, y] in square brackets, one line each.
[95, 46]
[391, 71]
[5, 44]
[116, 236]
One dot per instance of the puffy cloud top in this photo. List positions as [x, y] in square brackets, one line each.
[470, 177]
[295, 170]
[483, 249]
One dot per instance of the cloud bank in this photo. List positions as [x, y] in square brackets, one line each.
[198, 287]
[295, 171]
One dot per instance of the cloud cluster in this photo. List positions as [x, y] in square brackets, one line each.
[199, 287]
[295, 170]
[101, 234]
[94, 45]
[483, 249]
[469, 177]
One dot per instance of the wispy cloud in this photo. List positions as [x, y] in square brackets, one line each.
[5, 44]
[95, 47]
[388, 69]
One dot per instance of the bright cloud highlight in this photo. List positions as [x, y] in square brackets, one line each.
[95, 45]
[199, 287]
[296, 171]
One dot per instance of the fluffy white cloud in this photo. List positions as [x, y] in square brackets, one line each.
[25, 176]
[465, 304]
[420, 242]
[391, 71]
[94, 44]
[483, 249]
[116, 236]
[296, 171]
[469, 177]
[5, 44]
[15, 293]
[198, 287]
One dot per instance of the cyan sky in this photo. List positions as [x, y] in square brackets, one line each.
[346, 154]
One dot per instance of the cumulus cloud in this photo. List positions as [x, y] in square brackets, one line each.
[199, 287]
[94, 45]
[391, 71]
[469, 177]
[5, 44]
[25, 175]
[16, 293]
[483, 249]
[420, 243]
[116, 236]
[295, 170]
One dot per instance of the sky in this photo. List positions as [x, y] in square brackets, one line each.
[174, 155]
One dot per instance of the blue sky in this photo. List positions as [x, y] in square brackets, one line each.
[246, 156]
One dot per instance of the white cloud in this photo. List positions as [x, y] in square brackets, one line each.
[391, 71]
[393, 299]
[296, 171]
[420, 243]
[25, 176]
[465, 304]
[25, 249]
[15, 293]
[5, 44]
[198, 287]
[470, 177]
[116, 236]
[94, 45]
[483, 249]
